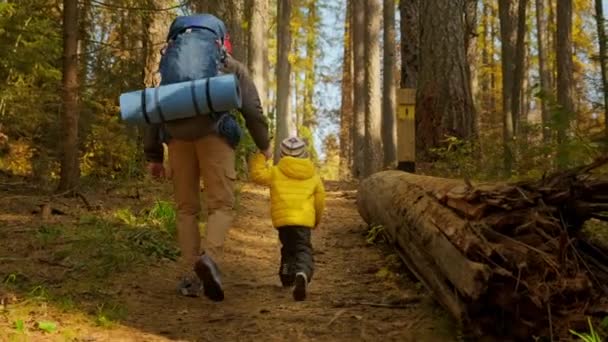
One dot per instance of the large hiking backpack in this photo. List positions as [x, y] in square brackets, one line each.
[196, 48]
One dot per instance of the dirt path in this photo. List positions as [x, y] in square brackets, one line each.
[350, 275]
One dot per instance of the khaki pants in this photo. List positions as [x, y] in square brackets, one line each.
[212, 159]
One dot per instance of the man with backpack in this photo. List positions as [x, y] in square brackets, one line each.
[203, 146]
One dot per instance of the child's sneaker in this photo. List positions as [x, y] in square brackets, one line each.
[287, 277]
[299, 292]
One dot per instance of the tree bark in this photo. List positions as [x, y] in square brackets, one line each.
[309, 117]
[520, 59]
[496, 256]
[544, 70]
[258, 51]
[155, 31]
[346, 110]
[565, 76]
[601, 33]
[508, 31]
[372, 150]
[359, 87]
[471, 43]
[410, 42]
[444, 104]
[389, 91]
[70, 161]
[283, 70]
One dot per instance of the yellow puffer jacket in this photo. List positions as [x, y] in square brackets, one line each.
[296, 191]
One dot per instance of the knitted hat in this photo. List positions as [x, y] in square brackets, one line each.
[294, 147]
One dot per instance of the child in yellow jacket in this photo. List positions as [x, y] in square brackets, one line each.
[297, 202]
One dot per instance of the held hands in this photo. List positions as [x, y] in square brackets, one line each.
[267, 153]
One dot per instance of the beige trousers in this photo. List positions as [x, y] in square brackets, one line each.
[212, 159]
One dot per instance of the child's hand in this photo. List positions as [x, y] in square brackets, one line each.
[267, 153]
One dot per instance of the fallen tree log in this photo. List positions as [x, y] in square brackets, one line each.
[505, 259]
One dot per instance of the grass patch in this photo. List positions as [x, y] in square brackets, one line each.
[69, 267]
[109, 314]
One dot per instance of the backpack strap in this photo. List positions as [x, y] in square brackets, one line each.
[143, 106]
[208, 95]
[193, 96]
[158, 109]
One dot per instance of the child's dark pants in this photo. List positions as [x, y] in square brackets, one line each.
[296, 253]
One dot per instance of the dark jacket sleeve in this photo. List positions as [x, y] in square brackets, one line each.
[251, 107]
[153, 146]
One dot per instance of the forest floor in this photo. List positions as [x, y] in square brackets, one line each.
[99, 267]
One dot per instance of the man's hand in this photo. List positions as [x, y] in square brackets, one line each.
[157, 170]
[267, 153]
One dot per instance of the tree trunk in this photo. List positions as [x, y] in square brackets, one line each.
[283, 70]
[544, 70]
[565, 77]
[552, 29]
[200, 6]
[238, 35]
[505, 259]
[444, 104]
[493, 34]
[508, 33]
[372, 149]
[520, 59]
[70, 163]
[470, 40]
[359, 87]
[410, 42]
[258, 52]
[309, 119]
[346, 110]
[389, 91]
[601, 33]
[155, 31]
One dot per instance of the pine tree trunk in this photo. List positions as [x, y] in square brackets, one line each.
[200, 6]
[520, 58]
[601, 33]
[410, 42]
[471, 42]
[564, 76]
[493, 34]
[346, 110]
[444, 104]
[389, 91]
[70, 161]
[372, 149]
[258, 52]
[359, 87]
[238, 35]
[508, 31]
[155, 31]
[543, 61]
[309, 119]
[283, 70]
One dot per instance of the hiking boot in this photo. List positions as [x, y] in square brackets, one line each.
[287, 277]
[208, 272]
[299, 291]
[189, 287]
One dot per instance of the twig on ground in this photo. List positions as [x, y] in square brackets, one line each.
[336, 316]
[85, 200]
